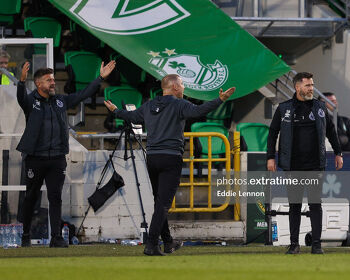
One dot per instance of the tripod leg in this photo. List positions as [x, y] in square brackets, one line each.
[144, 223]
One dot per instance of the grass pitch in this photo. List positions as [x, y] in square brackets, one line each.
[201, 262]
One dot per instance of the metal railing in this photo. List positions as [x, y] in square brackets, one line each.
[192, 184]
[257, 8]
[268, 18]
[301, 27]
[260, 8]
[343, 6]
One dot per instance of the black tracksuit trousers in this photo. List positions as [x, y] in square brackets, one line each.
[295, 195]
[52, 170]
[164, 172]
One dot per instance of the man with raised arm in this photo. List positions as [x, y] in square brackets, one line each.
[44, 143]
[164, 118]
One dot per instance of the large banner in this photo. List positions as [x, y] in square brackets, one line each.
[191, 38]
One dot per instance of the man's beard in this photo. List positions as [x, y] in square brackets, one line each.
[51, 92]
[305, 96]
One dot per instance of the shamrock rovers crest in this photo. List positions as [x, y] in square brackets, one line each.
[194, 74]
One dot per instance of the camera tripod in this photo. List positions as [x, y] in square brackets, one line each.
[128, 133]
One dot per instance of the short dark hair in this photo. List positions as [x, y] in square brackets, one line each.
[328, 94]
[41, 72]
[300, 76]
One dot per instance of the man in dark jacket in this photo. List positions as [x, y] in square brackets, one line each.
[302, 124]
[44, 143]
[164, 118]
[343, 123]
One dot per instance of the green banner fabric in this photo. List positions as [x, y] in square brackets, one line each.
[191, 38]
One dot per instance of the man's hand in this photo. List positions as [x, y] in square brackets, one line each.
[338, 162]
[271, 165]
[24, 73]
[226, 95]
[106, 70]
[111, 107]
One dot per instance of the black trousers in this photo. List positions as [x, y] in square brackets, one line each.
[52, 170]
[164, 172]
[295, 197]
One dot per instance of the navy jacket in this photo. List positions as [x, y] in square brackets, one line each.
[164, 118]
[31, 105]
[282, 123]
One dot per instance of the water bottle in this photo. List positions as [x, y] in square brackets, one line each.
[6, 236]
[135, 242]
[125, 242]
[102, 240]
[19, 230]
[65, 233]
[13, 236]
[2, 233]
[274, 231]
[75, 240]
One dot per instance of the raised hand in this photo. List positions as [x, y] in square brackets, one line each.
[25, 70]
[106, 70]
[226, 95]
[111, 107]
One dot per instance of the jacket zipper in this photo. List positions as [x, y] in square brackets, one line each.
[51, 128]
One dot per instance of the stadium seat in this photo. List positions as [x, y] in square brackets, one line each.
[222, 114]
[126, 94]
[85, 66]
[8, 9]
[154, 92]
[130, 73]
[255, 135]
[84, 40]
[43, 27]
[218, 146]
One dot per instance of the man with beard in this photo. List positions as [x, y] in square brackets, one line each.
[44, 143]
[302, 123]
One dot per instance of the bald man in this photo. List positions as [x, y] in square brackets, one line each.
[164, 118]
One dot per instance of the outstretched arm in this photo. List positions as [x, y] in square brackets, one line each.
[190, 110]
[74, 98]
[135, 117]
[22, 96]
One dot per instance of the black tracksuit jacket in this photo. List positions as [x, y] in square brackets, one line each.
[164, 118]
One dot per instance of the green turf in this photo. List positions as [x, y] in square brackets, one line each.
[202, 262]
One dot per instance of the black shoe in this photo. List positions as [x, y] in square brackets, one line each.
[58, 242]
[153, 250]
[172, 247]
[26, 241]
[316, 248]
[293, 249]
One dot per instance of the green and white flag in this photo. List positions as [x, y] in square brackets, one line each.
[191, 38]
